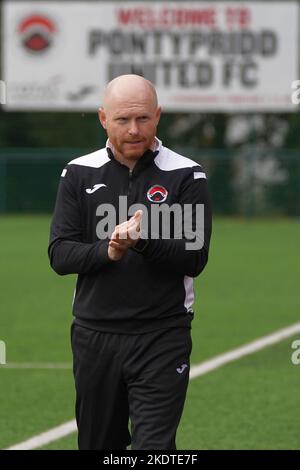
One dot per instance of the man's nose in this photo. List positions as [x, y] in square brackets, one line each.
[133, 128]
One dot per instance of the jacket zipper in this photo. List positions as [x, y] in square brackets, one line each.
[129, 182]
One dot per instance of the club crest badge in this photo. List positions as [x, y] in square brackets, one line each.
[157, 193]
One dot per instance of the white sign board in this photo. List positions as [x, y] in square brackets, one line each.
[201, 56]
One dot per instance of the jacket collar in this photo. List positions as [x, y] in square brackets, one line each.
[145, 160]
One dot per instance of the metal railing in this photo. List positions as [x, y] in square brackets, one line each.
[244, 182]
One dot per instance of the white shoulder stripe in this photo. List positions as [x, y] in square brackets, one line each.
[92, 160]
[168, 160]
[199, 174]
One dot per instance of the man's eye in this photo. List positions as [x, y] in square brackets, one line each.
[143, 118]
[121, 119]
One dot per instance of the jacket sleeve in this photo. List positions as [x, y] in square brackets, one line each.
[188, 254]
[68, 254]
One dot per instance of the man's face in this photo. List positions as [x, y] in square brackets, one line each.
[130, 125]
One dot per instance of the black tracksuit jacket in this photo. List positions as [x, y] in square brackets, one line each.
[143, 291]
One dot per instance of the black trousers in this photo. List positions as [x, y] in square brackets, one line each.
[144, 377]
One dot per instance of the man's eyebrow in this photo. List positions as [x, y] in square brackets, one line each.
[125, 115]
[118, 116]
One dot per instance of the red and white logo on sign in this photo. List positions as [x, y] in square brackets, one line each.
[37, 32]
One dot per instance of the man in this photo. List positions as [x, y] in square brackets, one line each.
[133, 302]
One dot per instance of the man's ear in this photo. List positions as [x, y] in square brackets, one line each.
[158, 113]
[102, 117]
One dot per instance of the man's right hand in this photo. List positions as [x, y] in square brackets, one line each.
[125, 236]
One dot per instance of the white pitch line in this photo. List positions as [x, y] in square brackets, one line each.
[37, 365]
[46, 437]
[195, 371]
[245, 350]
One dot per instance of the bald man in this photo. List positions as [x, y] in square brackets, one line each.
[133, 303]
[129, 99]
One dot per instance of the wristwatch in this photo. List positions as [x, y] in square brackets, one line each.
[140, 245]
